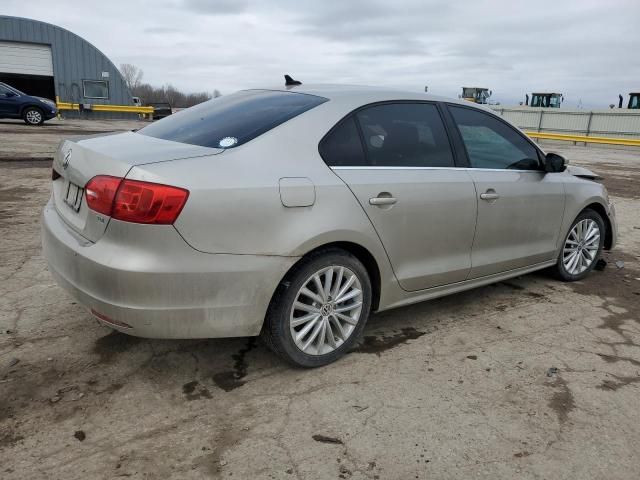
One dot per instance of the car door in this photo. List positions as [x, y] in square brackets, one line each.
[520, 207]
[401, 169]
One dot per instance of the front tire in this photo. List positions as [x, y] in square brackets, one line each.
[33, 116]
[319, 311]
[581, 247]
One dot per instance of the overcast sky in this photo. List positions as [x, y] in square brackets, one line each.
[587, 49]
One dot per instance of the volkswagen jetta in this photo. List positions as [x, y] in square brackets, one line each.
[295, 212]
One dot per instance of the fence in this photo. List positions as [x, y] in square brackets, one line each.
[107, 108]
[615, 123]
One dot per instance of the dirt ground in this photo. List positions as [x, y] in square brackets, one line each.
[21, 142]
[527, 379]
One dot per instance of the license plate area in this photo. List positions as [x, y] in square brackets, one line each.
[73, 196]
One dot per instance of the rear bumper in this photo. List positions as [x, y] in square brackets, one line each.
[151, 280]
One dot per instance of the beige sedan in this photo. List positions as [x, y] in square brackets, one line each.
[295, 212]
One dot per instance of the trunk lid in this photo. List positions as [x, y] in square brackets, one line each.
[79, 159]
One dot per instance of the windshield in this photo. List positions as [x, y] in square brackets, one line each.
[480, 95]
[11, 89]
[232, 120]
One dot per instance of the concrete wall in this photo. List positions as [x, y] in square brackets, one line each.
[74, 60]
[598, 123]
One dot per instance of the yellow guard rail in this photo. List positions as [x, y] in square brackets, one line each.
[106, 108]
[633, 142]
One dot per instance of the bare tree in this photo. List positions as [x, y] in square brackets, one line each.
[170, 94]
[173, 96]
[132, 76]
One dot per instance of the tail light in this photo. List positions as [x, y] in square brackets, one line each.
[100, 193]
[135, 201]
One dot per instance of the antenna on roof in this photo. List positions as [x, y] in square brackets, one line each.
[288, 81]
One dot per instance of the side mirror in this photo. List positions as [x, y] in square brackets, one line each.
[10, 95]
[554, 163]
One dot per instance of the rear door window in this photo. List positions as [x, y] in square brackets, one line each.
[405, 135]
[493, 144]
[342, 146]
[232, 120]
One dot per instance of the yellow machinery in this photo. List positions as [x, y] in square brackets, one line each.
[546, 100]
[476, 94]
[634, 101]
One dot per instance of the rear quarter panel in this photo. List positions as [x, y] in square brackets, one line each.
[234, 203]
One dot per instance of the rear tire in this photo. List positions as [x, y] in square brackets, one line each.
[319, 310]
[33, 116]
[581, 247]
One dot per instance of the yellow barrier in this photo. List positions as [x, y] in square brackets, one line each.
[634, 142]
[106, 108]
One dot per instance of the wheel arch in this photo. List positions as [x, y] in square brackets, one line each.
[602, 211]
[361, 253]
[30, 105]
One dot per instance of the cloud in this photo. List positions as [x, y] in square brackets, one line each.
[216, 7]
[584, 48]
[160, 30]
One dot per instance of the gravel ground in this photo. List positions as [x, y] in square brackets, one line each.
[530, 378]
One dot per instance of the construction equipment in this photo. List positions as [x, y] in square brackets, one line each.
[476, 94]
[545, 100]
[634, 100]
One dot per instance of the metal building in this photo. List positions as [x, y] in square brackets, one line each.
[48, 61]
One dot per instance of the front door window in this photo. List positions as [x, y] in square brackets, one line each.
[491, 143]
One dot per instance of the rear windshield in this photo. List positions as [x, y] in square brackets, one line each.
[232, 120]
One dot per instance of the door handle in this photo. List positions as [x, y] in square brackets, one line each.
[381, 201]
[489, 195]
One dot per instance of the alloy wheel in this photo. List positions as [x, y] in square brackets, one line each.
[581, 246]
[34, 117]
[326, 310]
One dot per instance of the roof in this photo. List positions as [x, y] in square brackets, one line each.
[546, 93]
[366, 94]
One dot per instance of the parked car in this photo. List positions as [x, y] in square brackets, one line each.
[17, 104]
[295, 213]
[160, 110]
